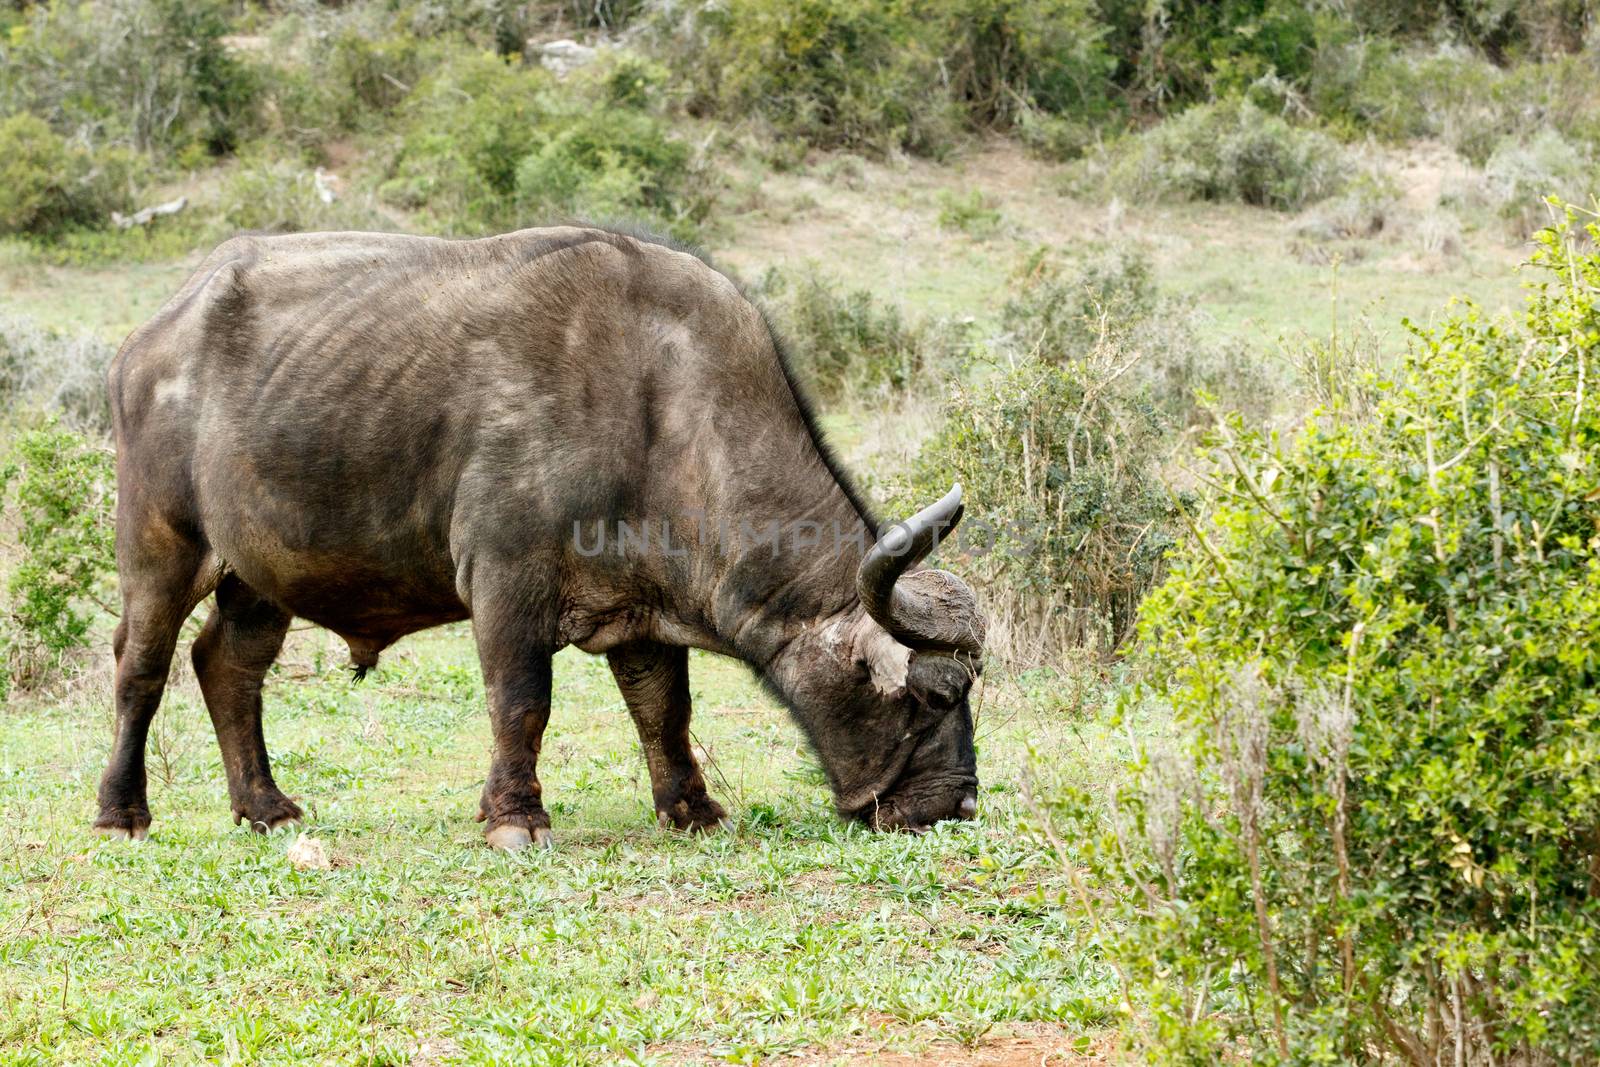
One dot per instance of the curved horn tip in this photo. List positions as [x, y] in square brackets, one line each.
[898, 540]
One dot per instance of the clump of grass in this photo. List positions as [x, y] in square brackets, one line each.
[973, 214]
[60, 373]
[1367, 206]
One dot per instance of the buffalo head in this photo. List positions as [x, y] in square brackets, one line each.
[883, 687]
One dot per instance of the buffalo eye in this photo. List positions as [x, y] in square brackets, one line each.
[937, 681]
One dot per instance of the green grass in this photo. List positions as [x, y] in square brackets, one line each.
[626, 943]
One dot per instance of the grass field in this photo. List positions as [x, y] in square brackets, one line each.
[792, 932]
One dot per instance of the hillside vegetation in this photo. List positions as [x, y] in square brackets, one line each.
[1287, 731]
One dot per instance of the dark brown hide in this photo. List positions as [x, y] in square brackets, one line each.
[382, 433]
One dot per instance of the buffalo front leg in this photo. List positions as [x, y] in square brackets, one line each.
[231, 656]
[516, 676]
[654, 680]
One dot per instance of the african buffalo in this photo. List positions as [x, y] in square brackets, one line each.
[569, 436]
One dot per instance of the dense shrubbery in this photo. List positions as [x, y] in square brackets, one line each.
[1376, 833]
[910, 74]
[1452, 93]
[849, 344]
[47, 184]
[1068, 518]
[486, 145]
[151, 72]
[58, 488]
[905, 75]
[137, 93]
[1060, 434]
[1228, 150]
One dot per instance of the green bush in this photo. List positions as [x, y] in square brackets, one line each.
[59, 486]
[34, 187]
[279, 194]
[845, 344]
[46, 184]
[1228, 150]
[1520, 173]
[153, 72]
[1001, 58]
[831, 73]
[1452, 93]
[909, 74]
[1193, 50]
[1067, 519]
[489, 146]
[1375, 831]
[1108, 302]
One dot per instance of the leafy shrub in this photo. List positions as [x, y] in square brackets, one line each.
[46, 184]
[1109, 302]
[151, 71]
[902, 75]
[1067, 520]
[848, 344]
[1001, 58]
[60, 485]
[1228, 150]
[1452, 93]
[491, 146]
[831, 73]
[282, 195]
[1521, 173]
[33, 178]
[64, 375]
[1189, 50]
[1375, 832]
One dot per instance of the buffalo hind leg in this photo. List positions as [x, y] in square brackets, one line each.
[161, 579]
[231, 656]
[654, 680]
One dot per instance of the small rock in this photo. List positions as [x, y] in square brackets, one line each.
[561, 57]
[308, 854]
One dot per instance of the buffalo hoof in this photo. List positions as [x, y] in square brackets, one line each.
[517, 838]
[270, 814]
[697, 814]
[123, 824]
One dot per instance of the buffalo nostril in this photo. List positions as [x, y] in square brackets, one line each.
[969, 806]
